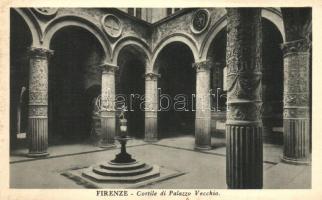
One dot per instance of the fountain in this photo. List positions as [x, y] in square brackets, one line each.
[123, 168]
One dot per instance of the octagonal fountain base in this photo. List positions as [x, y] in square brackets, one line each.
[122, 172]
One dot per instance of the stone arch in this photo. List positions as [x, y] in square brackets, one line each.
[212, 33]
[73, 67]
[271, 15]
[131, 41]
[276, 18]
[70, 20]
[132, 56]
[32, 24]
[176, 37]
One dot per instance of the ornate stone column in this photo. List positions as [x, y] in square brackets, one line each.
[107, 106]
[38, 102]
[296, 101]
[244, 161]
[151, 107]
[203, 106]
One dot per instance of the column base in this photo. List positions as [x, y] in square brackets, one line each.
[296, 142]
[202, 148]
[202, 133]
[37, 155]
[244, 157]
[303, 161]
[151, 130]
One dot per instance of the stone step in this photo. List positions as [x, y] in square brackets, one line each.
[155, 172]
[106, 172]
[119, 167]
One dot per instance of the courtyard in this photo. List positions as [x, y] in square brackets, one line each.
[244, 73]
[176, 153]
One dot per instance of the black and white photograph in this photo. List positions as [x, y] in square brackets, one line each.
[166, 98]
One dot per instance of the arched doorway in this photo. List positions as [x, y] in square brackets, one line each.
[217, 55]
[73, 71]
[20, 41]
[130, 87]
[272, 83]
[176, 90]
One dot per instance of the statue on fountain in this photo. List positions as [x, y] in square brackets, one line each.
[123, 157]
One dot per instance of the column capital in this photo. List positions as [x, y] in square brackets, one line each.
[296, 46]
[40, 52]
[150, 76]
[204, 65]
[108, 68]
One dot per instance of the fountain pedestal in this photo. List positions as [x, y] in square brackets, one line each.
[123, 157]
[123, 168]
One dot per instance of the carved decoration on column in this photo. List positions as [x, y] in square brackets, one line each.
[151, 107]
[108, 96]
[152, 76]
[244, 163]
[38, 102]
[296, 101]
[107, 109]
[151, 92]
[202, 65]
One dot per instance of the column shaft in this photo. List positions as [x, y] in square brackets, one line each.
[296, 102]
[108, 120]
[244, 162]
[38, 102]
[203, 107]
[151, 107]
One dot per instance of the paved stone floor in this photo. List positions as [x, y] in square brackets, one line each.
[202, 169]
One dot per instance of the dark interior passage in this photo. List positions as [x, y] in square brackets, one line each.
[272, 83]
[217, 56]
[20, 41]
[131, 85]
[272, 70]
[72, 70]
[177, 78]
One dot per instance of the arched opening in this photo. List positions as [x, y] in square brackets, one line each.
[73, 71]
[272, 83]
[217, 56]
[176, 90]
[20, 41]
[130, 87]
